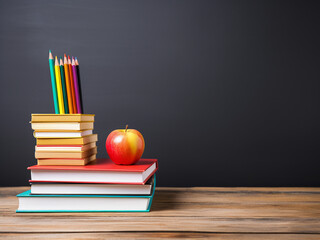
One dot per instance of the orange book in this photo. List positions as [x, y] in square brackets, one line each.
[41, 117]
[66, 161]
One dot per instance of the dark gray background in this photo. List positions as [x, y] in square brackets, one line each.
[226, 93]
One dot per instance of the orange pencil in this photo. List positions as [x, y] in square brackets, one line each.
[72, 86]
[67, 79]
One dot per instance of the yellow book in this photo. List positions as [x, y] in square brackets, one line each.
[68, 141]
[82, 154]
[66, 161]
[59, 87]
[62, 117]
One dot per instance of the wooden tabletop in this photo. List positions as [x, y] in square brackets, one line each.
[222, 213]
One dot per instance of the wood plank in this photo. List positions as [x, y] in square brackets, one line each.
[172, 203]
[158, 235]
[227, 210]
[193, 224]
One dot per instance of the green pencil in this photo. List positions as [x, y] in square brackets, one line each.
[64, 90]
[53, 81]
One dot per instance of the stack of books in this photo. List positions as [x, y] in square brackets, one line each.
[59, 185]
[100, 187]
[64, 139]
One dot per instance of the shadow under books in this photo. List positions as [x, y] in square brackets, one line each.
[164, 200]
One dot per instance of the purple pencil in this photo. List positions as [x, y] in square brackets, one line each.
[76, 86]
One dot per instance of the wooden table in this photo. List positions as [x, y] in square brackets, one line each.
[223, 213]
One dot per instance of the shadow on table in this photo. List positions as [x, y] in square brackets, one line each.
[164, 200]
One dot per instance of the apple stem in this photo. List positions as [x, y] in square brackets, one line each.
[126, 128]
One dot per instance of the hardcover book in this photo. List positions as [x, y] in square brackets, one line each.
[61, 125]
[92, 188]
[84, 203]
[62, 117]
[68, 141]
[64, 148]
[66, 161]
[61, 134]
[103, 171]
[57, 154]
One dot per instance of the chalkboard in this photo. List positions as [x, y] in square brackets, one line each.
[225, 93]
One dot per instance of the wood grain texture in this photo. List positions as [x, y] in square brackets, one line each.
[222, 213]
[157, 235]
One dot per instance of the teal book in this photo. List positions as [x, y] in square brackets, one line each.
[84, 203]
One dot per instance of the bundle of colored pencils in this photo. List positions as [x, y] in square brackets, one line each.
[66, 87]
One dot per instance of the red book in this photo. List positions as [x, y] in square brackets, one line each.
[103, 171]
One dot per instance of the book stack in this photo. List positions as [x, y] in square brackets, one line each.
[99, 187]
[67, 179]
[64, 139]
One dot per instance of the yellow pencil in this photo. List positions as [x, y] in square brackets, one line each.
[59, 87]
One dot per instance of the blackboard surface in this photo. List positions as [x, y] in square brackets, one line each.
[226, 93]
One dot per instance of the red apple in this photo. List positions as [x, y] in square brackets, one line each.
[125, 146]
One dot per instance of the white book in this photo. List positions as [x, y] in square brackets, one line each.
[83, 189]
[61, 125]
[65, 148]
[62, 134]
[67, 203]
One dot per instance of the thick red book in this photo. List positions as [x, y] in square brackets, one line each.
[103, 171]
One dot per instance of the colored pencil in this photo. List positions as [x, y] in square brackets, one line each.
[79, 83]
[76, 87]
[68, 87]
[64, 90]
[53, 82]
[74, 105]
[59, 88]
